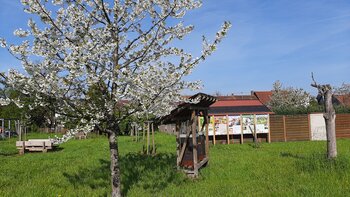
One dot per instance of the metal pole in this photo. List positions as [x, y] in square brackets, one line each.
[3, 128]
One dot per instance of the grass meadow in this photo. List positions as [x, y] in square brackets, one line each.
[81, 168]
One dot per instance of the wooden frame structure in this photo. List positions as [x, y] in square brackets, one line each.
[18, 127]
[230, 136]
[192, 145]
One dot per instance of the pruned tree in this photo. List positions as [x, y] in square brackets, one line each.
[122, 51]
[288, 98]
[329, 115]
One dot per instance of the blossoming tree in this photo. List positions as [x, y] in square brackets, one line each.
[121, 51]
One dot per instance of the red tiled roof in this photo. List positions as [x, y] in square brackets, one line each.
[236, 97]
[343, 99]
[264, 96]
[234, 103]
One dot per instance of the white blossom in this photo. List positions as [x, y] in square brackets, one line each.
[2, 43]
[21, 33]
[105, 62]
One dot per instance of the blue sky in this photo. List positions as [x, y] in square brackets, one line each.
[269, 40]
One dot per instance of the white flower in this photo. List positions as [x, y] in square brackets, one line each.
[2, 43]
[20, 33]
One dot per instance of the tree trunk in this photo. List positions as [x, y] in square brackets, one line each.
[329, 117]
[114, 154]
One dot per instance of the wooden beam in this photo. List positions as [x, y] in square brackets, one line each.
[194, 142]
[201, 163]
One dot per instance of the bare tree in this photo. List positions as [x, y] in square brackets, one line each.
[329, 115]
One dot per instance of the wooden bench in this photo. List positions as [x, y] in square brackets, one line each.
[42, 145]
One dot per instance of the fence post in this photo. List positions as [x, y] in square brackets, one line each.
[227, 130]
[242, 137]
[268, 129]
[214, 132]
[284, 128]
[309, 124]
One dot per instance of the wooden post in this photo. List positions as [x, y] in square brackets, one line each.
[284, 128]
[309, 124]
[242, 138]
[137, 133]
[255, 131]
[178, 142]
[194, 143]
[183, 147]
[3, 128]
[143, 132]
[206, 134]
[227, 130]
[25, 133]
[9, 126]
[148, 137]
[132, 130]
[268, 128]
[22, 149]
[214, 132]
[20, 131]
[153, 144]
[199, 124]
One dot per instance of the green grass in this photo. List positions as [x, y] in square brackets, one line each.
[81, 168]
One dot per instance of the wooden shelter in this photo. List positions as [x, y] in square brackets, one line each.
[192, 144]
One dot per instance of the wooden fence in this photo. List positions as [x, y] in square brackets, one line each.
[297, 127]
[283, 128]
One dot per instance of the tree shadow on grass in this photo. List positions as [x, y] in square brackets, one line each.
[151, 173]
[8, 154]
[318, 162]
[293, 155]
[92, 177]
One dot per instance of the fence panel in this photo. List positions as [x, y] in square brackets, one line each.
[297, 127]
[342, 125]
[276, 128]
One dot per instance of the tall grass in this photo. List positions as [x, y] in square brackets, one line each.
[81, 168]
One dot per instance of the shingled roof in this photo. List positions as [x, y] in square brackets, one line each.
[343, 99]
[184, 110]
[263, 96]
[241, 104]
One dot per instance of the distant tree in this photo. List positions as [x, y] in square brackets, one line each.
[288, 99]
[217, 93]
[329, 115]
[344, 89]
[40, 116]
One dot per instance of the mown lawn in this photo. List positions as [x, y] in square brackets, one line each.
[80, 168]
